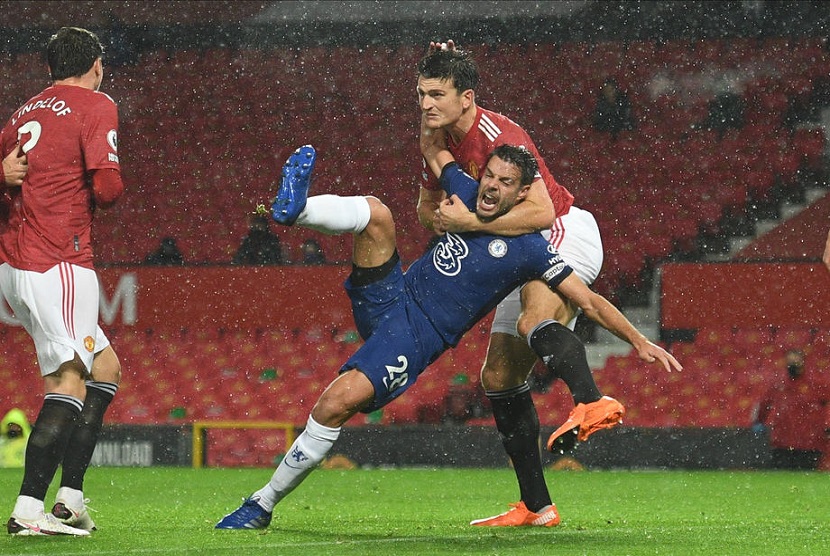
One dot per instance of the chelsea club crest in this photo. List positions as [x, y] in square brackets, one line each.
[497, 248]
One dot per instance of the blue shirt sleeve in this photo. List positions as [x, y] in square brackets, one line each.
[456, 181]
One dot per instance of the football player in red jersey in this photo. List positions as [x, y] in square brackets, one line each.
[447, 78]
[69, 133]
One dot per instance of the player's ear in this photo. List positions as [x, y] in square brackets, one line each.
[525, 189]
[468, 98]
[98, 72]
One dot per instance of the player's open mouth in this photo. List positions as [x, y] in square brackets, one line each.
[488, 202]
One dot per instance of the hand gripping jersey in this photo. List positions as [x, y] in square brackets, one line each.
[66, 132]
[490, 130]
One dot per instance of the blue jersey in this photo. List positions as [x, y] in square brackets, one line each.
[466, 275]
[409, 319]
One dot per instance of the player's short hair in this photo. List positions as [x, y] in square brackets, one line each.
[522, 158]
[457, 65]
[71, 52]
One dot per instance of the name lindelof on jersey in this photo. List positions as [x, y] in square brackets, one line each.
[59, 107]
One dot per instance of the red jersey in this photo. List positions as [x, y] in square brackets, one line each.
[67, 132]
[489, 131]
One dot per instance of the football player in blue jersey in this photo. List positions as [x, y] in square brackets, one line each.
[407, 320]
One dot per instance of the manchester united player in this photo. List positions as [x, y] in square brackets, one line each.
[447, 78]
[69, 134]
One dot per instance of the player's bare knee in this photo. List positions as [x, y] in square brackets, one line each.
[348, 394]
[380, 213]
[492, 378]
[332, 411]
[540, 303]
[69, 379]
[381, 226]
[508, 362]
[562, 313]
[526, 324]
[499, 376]
[106, 367]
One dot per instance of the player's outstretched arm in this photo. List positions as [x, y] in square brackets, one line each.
[15, 166]
[604, 313]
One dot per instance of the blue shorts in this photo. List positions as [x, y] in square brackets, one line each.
[400, 342]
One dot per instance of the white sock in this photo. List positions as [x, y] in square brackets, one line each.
[305, 454]
[71, 497]
[27, 507]
[333, 214]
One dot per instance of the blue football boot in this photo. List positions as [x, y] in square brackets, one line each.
[293, 192]
[249, 515]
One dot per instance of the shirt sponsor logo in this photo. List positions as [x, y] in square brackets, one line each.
[448, 254]
[497, 248]
[557, 258]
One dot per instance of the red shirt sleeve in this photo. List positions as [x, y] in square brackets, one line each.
[99, 135]
[107, 186]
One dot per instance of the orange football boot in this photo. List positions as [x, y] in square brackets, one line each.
[584, 420]
[518, 516]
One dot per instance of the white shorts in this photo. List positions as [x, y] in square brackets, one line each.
[576, 236]
[59, 310]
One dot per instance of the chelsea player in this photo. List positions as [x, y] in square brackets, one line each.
[408, 320]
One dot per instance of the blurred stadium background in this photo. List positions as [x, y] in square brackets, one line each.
[214, 95]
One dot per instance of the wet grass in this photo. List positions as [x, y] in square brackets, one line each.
[422, 512]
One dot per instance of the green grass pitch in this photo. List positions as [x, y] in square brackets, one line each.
[405, 512]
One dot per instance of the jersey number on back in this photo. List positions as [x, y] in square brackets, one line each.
[33, 128]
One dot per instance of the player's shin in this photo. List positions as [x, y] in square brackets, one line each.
[518, 426]
[564, 355]
[47, 444]
[307, 452]
[85, 437]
